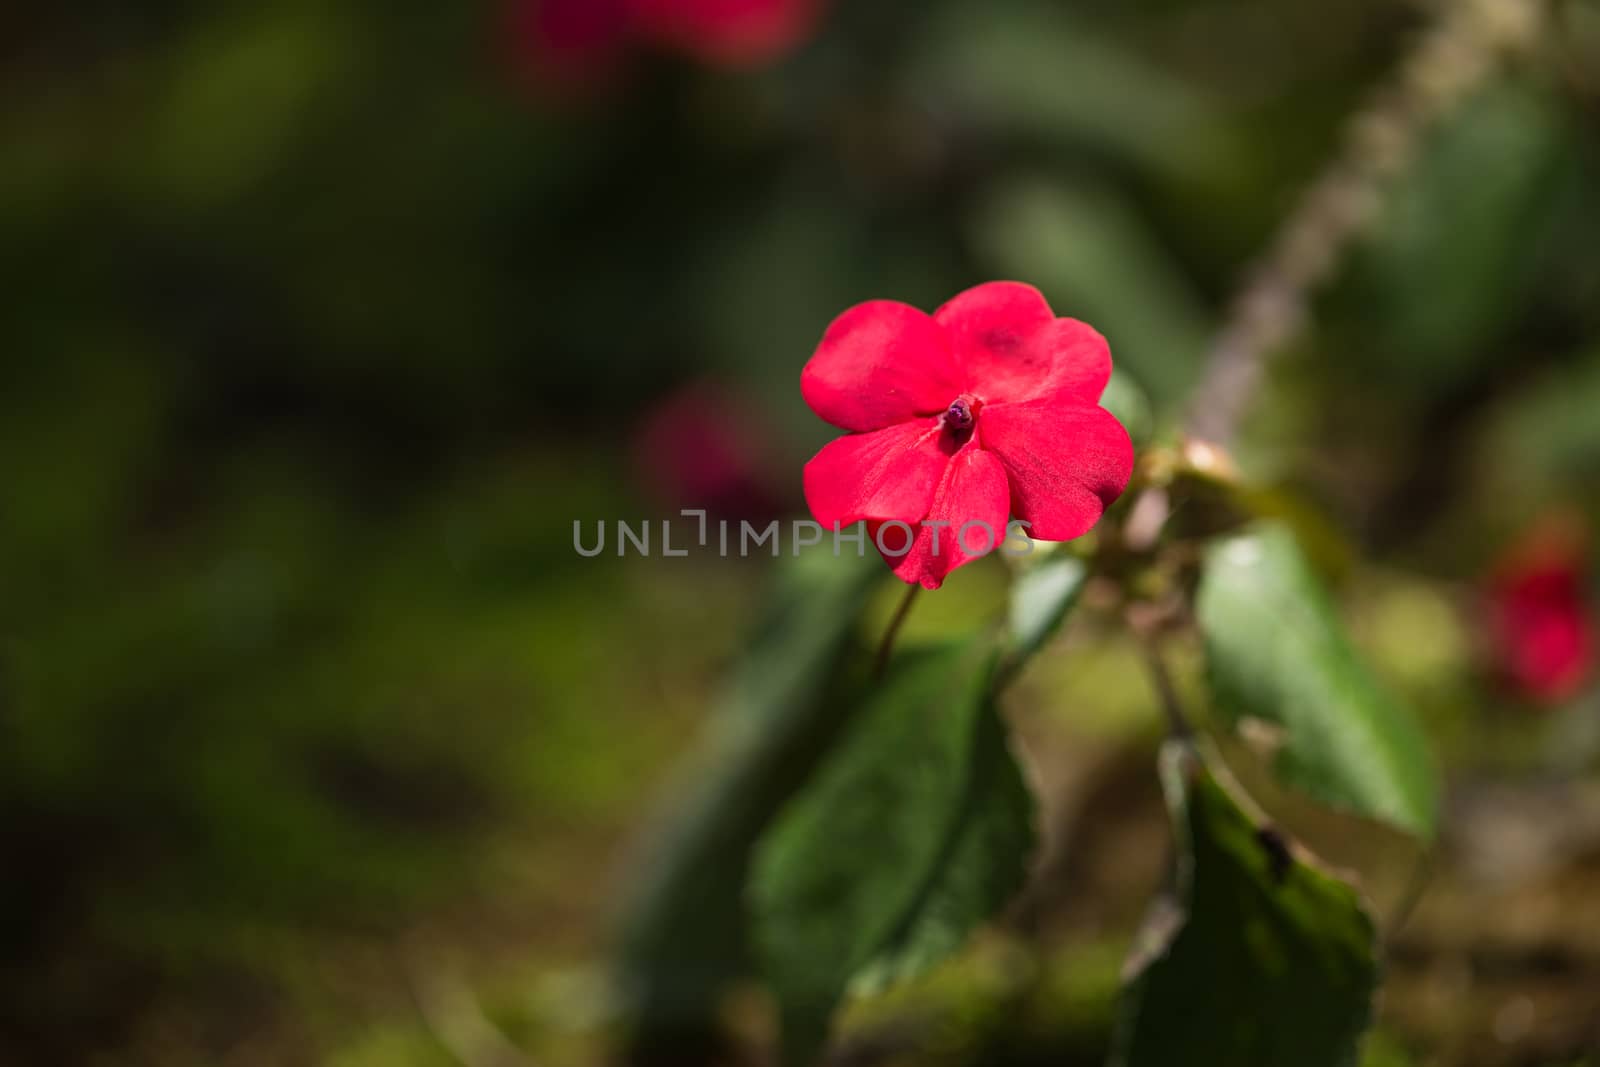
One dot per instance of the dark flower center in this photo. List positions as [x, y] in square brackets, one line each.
[961, 414]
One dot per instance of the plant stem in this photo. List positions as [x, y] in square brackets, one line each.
[1416, 886]
[1464, 48]
[1161, 679]
[886, 646]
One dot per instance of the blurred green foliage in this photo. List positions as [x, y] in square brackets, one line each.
[1278, 663]
[321, 327]
[1261, 959]
[915, 829]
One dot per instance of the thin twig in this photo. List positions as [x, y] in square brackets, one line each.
[1416, 886]
[886, 646]
[1178, 725]
[1456, 55]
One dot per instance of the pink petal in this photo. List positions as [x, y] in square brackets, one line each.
[972, 496]
[989, 329]
[886, 474]
[1080, 361]
[1011, 347]
[1067, 462]
[880, 363]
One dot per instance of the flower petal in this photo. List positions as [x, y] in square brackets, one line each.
[880, 363]
[1067, 462]
[988, 330]
[1011, 347]
[886, 474]
[966, 521]
[1080, 361]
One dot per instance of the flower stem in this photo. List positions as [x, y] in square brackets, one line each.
[1178, 725]
[886, 646]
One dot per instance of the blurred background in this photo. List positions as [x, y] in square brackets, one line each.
[324, 322]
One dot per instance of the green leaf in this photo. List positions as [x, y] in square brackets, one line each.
[1047, 72]
[1277, 653]
[1543, 434]
[917, 829]
[1442, 294]
[684, 926]
[1261, 960]
[1095, 257]
[1041, 597]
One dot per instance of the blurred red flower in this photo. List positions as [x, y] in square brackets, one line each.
[985, 409]
[699, 447]
[728, 33]
[578, 44]
[571, 44]
[1541, 622]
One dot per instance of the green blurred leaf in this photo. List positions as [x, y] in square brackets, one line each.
[1096, 258]
[1455, 250]
[242, 95]
[1545, 434]
[684, 925]
[1261, 960]
[1277, 653]
[917, 829]
[1046, 71]
[1214, 500]
[1041, 597]
[1127, 401]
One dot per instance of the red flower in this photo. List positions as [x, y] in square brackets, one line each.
[704, 446]
[728, 33]
[581, 43]
[1540, 621]
[988, 408]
